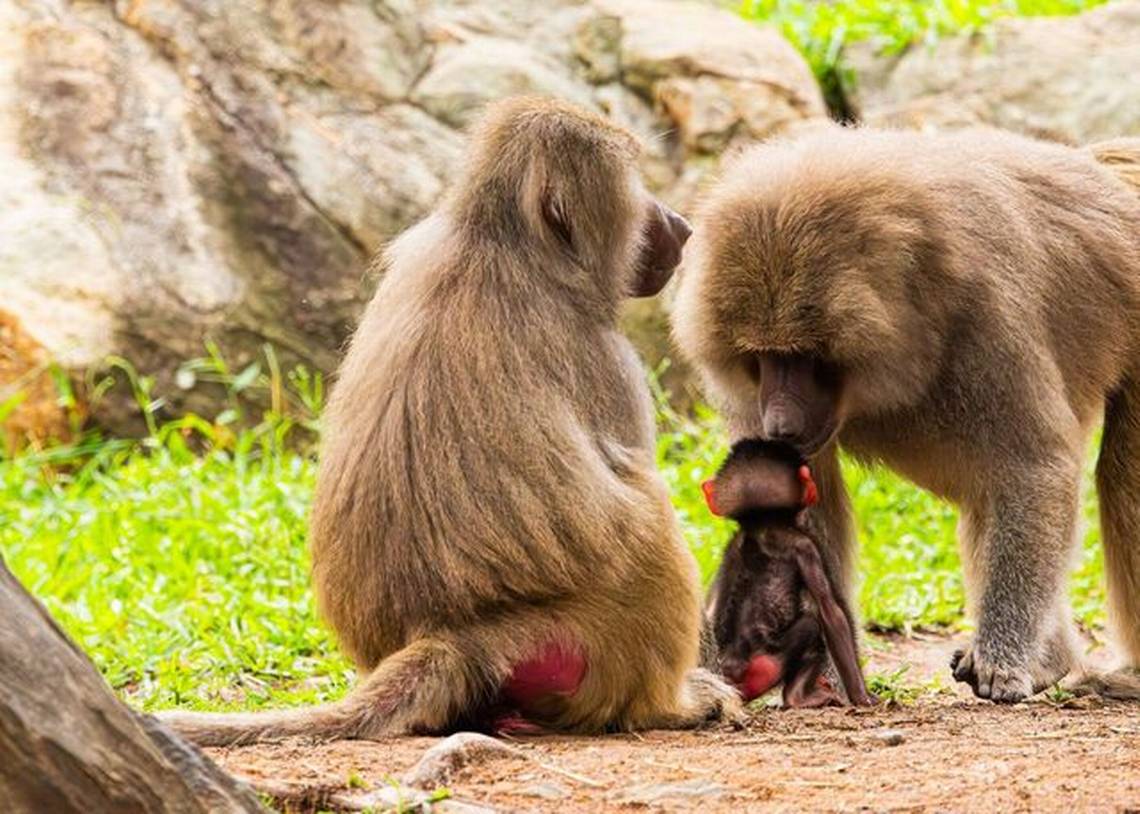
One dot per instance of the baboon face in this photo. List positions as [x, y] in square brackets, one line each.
[799, 301]
[664, 235]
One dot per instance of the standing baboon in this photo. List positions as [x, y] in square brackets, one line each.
[490, 537]
[964, 308]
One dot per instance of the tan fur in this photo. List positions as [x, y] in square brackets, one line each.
[487, 482]
[1118, 470]
[981, 292]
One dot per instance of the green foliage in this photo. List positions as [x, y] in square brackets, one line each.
[893, 687]
[182, 575]
[820, 30]
[1058, 696]
[909, 567]
[179, 563]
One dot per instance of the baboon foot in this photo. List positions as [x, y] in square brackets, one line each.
[1000, 683]
[822, 694]
[816, 699]
[1010, 683]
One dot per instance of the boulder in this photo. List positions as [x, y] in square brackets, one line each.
[1069, 79]
[466, 77]
[183, 174]
[715, 78]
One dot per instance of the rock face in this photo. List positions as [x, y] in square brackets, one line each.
[1070, 79]
[223, 170]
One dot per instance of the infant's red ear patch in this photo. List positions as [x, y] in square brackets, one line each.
[709, 488]
[811, 493]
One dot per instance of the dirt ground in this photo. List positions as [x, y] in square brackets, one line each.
[945, 752]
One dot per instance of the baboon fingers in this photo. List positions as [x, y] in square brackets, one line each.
[1003, 684]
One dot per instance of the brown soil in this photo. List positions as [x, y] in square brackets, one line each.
[945, 752]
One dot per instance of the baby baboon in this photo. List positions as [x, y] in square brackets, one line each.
[963, 307]
[490, 538]
[772, 608]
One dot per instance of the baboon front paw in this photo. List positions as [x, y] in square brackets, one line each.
[1002, 684]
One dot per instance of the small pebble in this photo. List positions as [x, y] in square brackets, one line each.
[888, 737]
[547, 791]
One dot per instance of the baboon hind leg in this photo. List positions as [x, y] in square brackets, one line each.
[1118, 486]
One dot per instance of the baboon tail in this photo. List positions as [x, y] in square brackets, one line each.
[422, 688]
[1118, 484]
[1122, 155]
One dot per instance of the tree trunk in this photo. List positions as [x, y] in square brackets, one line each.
[68, 744]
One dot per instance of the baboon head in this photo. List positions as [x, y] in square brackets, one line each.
[799, 301]
[558, 182]
[758, 477]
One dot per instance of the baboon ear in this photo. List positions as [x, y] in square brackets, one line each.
[556, 216]
[545, 202]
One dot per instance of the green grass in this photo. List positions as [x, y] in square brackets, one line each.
[181, 575]
[820, 30]
[179, 563]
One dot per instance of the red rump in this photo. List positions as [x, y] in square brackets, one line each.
[811, 493]
[555, 670]
[709, 488]
[762, 674]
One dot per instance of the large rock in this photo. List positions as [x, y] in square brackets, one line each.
[177, 173]
[1071, 79]
[715, 78]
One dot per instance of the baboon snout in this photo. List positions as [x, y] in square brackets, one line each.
[783, 422]
[666, 233]
[682, 231]
[799, 400]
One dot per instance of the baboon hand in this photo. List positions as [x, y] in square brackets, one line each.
[1004, 684]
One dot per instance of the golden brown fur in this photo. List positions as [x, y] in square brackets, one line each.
[981, 294]
[487, 483]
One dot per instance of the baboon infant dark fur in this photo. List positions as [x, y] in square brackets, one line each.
[965, 308]
[491, 540]
[773, 611]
